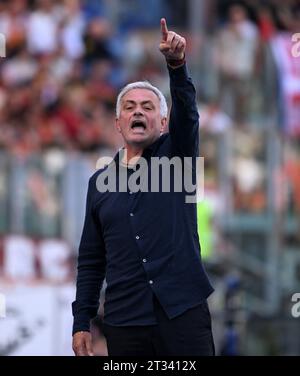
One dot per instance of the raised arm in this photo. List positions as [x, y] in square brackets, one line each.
[184, 117]
[90, 277]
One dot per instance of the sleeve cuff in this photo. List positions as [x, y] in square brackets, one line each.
[81, 324]
[81, 321]
[178, 75]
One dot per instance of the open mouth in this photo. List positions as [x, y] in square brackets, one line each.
[138, 125]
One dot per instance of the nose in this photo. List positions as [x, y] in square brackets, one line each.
[138, 113]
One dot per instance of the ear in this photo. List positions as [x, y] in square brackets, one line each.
[117, 123]
[163, 125]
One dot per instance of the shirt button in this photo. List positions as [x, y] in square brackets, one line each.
[144, 260]
[137, 237]
[150, 281]
[131, 214]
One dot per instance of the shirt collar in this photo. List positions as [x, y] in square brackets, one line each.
[146, 151]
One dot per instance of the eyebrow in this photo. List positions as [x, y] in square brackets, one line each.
[143, 102]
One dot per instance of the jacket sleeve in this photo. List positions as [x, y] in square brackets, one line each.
[184, 117]
[91, 267]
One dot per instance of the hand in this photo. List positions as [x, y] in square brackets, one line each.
[172, 45]
[82, 344]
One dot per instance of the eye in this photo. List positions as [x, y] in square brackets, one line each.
[148, 108]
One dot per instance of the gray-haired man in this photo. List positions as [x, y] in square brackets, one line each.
[146, 243]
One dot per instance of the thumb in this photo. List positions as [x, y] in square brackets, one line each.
[164, 47]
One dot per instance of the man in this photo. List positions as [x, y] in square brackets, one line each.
[146, 244]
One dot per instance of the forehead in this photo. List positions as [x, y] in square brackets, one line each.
[140, 95]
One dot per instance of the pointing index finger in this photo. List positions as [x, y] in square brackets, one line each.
[164, 28]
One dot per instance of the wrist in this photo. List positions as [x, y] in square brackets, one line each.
[176, 63]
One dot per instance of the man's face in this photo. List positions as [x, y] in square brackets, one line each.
[140, 121]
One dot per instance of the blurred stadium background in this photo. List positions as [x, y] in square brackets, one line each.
[65, 62]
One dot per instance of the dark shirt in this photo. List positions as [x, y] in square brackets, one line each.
[144, 243]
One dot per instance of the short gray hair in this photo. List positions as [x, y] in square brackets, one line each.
[143, 85]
